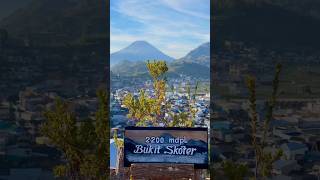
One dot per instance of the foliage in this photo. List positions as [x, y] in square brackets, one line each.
[157, 69]
[83, 143]
[234, 171]
[153, 109]
[118, 142]
[140, 109]
[264, 160]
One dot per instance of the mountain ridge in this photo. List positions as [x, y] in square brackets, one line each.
[267, 24]
[72, 18]
[11, 6]
[200, 55]
[196, 63]
[138, 51]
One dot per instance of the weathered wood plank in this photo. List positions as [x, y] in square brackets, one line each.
[162, 171]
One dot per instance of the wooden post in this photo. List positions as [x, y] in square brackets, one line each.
[120, 168]
[197, 174]
[122, 173]
[156, 171]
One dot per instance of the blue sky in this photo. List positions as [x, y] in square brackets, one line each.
[173, 26]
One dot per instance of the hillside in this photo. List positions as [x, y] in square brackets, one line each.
[11, 6]
[65, 18]
[139, 69]
[131, 61]
[138, 51]
[269, 23]
[200, 55]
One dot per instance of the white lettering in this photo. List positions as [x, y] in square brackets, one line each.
[183, 150]
[170, 150]
[140, 149]
[178, 140]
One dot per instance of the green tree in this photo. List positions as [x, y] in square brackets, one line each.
[263, 159]
[234, 171]
[83, 144]
[144, 109]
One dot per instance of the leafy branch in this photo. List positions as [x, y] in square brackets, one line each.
[263, 159]
[144, 109]
[83, 144]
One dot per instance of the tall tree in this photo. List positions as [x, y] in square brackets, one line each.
[83, 144]
[153, 109]
[234, 171]
[263, 159]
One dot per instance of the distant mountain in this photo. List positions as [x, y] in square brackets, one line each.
[198, 143]
[305, 7]
[139, 69]
[200, 55]
[128, 68]
[130, 144]
[167, 136]
[138, 51]
[70, 19]
[192, 69]
[269, 23]
[195, 64]
[202, 146]
[9, 7]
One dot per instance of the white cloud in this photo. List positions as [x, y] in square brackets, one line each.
[197, 8]
[172, 26]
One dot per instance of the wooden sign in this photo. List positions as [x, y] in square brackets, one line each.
[166, 146]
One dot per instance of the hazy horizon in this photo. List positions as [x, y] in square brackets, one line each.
[129, 43]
